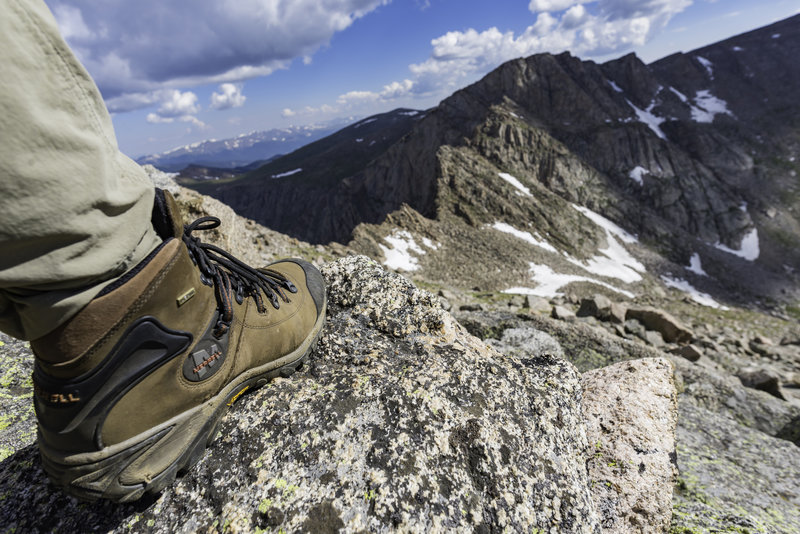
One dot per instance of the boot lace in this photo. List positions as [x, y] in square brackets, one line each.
[231, 277]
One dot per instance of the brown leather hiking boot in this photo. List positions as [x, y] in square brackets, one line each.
[130, 391]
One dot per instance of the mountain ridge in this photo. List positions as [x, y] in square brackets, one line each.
[242, 150]
[656, 149]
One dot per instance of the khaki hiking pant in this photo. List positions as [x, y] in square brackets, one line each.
[74, 211]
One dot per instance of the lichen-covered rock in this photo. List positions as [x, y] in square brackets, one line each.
[401, 420]
[724, 394]
[526, 342]
[630, 409]
[733, 478]
[16, 394]
[714, 493]
[791, 431]
[583, 345]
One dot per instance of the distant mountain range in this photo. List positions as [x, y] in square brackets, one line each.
[244, 149]
[696, 155]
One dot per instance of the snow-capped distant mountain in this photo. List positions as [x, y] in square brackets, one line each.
[243, 149]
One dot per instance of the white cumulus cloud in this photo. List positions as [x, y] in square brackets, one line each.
[390, 92]
[230, 96]
[178, 104]
[537, 6]
[175, 106]
[584, 27]
[133, 49]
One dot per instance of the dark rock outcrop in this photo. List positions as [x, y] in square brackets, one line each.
[762, 379]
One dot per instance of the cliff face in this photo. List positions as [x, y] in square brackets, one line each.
[317, 193]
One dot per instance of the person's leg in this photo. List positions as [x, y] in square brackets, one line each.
[133, 375]
[74, 211]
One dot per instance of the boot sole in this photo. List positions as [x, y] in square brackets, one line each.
[126, 471]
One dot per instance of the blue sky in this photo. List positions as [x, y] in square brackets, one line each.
[181, 71]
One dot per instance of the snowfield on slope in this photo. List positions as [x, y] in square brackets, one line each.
[549, 282]
[748, 249]
[614, 261]
[398, 255]
[521, 189]
[525, 236]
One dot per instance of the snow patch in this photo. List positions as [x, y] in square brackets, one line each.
[399, 257]
[549, 282]
[409, 113]
[607, 225]
[707, 64]
[637, 173]
[359, 140]
[287, 173]
[614, 86]
[646, 116]
[708, 106]
[679, 94]
[695, 266]
[737, 48]
[516, 116]
[525, 236]
[698, 296]
[430, 244]
[614, 261]
[776, 36]
[748, 250]
[516, 183]
[362, 123]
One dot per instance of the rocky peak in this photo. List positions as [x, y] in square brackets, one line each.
[693, 154]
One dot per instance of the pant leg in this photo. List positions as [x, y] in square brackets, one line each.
[74, 211]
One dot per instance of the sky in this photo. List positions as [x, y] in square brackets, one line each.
[180, 71]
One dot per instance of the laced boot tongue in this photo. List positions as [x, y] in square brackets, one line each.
[231, 277]
[166, 216]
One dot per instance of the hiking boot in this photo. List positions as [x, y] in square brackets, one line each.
[129, 392]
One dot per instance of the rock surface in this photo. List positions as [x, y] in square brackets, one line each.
[662, 322]
[630, 409]
[762, 379]
[738, 472]
[401, 420]
[598, 306]
[733, 478]
[690, 352]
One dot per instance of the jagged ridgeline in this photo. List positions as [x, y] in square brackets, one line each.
[695, 154]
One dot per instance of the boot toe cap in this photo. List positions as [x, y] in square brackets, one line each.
[314, 281]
